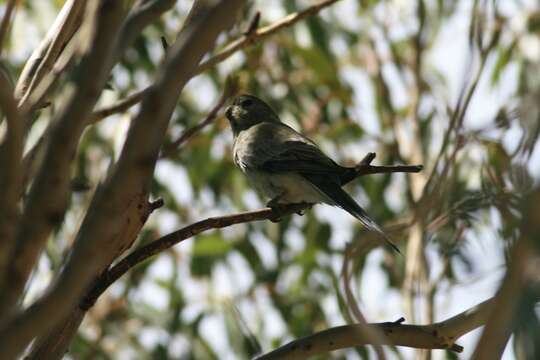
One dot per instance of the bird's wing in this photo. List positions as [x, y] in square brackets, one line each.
[298, 154]
[292, 151]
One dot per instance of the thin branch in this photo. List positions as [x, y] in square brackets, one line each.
[259, 34]
[11, 5]
[466, 94]
[137, 20]
[120, 106]
[231, 87]
[373, 335]
[364, 167]
[248, 39]
[441, 335]
[167, 241]
[36, 98]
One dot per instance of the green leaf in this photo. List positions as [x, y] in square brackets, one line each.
[211, 245]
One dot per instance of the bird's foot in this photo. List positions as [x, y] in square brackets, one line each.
[273, 203]
[280, 209]
[303, 211]
[277, 209]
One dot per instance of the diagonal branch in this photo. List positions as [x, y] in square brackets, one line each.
[250, 37]
[43, 58]
[253, 36]
[141, 254]
[155, 247]
[120, 106]
[230, 89]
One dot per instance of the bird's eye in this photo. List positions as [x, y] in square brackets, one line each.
[247, 103]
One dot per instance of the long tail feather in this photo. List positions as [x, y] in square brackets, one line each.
[340, 198]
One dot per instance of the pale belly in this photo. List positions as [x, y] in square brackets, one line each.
[288, 188]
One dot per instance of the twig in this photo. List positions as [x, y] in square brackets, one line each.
[118, 107]
[261, 33]
[64, 34]
[164, 43]
[372, 335]
[231, 87]
[253, 24]
[227, 51]
[364, 167]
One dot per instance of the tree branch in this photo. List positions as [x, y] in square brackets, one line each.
[364, 167]
[441, 335]
[167, 241]
[66, 24]
[120, 106]
[101, 239]
[250, 37]
[49, 195]
[11, 150]
[522, 273]
[256, 35]
[155, 247]
[63, 34]
[231, 87]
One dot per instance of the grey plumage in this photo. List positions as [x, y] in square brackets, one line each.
[286, 166]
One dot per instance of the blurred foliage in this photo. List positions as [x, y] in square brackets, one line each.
[361, 76]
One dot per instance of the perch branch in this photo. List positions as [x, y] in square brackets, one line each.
[141, 254]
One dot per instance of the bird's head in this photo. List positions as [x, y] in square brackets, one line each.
[246, 111]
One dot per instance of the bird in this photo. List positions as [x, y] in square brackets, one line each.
[286, 166]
